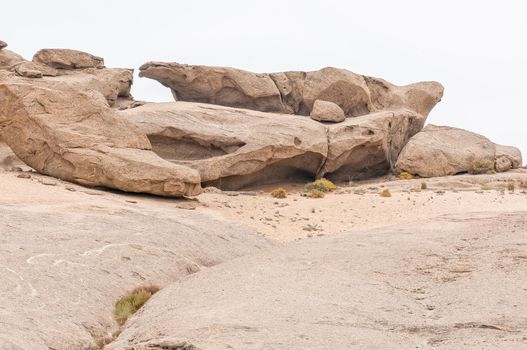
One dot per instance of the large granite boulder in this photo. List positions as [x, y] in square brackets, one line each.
[335, 293]
[507, 157]
[223, 86]
[443, 150]
[325, 111]
[291, 92]
[368, 146]
[67, 59]
[72, 136]
[9, 58]
[235, 148]
[67, 257]
[68, 70]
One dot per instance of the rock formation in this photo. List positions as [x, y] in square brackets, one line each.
[325, 111]
[334, 293]
[65, 265]
[291, 92]
[67, 59]
[67, 70]
[369, 145]
[235, 148]
[70, 135]
[443, 150]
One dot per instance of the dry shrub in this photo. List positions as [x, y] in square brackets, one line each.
[481, 166]
[424, 185]
[323, 185]
[511, 186]
[279, 193]
[131, 302]
[406, 176]
[385, 193]
[316, 194]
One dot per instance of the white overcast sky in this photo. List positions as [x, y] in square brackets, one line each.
[476, 48]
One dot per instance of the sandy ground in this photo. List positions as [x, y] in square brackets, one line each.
[359, 206]
[350, 207]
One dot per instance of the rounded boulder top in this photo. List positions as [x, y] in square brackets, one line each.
[3, 44]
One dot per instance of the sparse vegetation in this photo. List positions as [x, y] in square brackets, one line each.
[279, 193]
[316, 194]
[406, 176]
[511, 186]
[486, 187]
[323, 185]
[482, 166]
[424, 185]
[385, 193]
[131, 302]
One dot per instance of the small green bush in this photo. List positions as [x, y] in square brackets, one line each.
[279, 193]
[323, 185]
[481, 166]
[385, 193]
[316, 194]
[131, 302]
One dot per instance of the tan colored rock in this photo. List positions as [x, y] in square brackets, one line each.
[233, 148]
[335, 293]
[369, 145]
[327, 112]
[67, 257]
[34, 70]
[8, 59]
[291, 92]
[68, 59]
[236, 148]
[217, 85]
[507, 158]
[442, 150]
[3, 44]
[71, 136]
[109, 83]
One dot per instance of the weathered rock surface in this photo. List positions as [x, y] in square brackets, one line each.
[3, 44]
[236, 148]
[112, 83]
[71, 136]
[333, 293]
[327, 112]
[67, 59]
[291, 92]
[34, 70]
[369, 145]
[442, 150]
[66, 258]
[507, 157]
[8, 59]
[233, 148]
[109, 83]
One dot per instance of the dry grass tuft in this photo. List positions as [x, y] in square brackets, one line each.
[316, 194]
[424, 185]
[279, 193]
[406, 176]
[385, 193]
[511, 186]
[323, 185]
[131, 302]
[481, 166]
